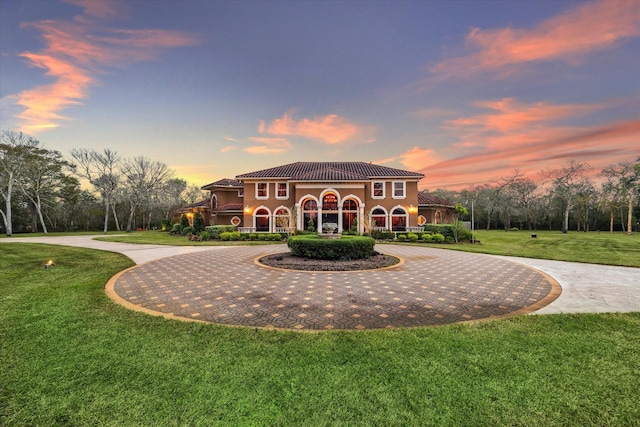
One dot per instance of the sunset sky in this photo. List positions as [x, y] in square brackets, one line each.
[462, 91]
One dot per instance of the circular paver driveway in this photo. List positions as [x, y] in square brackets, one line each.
[431, 287]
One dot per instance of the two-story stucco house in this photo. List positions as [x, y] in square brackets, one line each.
[336, 196]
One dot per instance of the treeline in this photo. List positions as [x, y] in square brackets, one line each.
[43, 191]
[571, 197]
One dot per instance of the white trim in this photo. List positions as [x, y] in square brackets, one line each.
[384, 189]
[406, 216]
[404, 189]
[316, 186]
[330, 190]
[286, 196]
[262, 197]
[386, 217]
[278, 216]
[269, 216]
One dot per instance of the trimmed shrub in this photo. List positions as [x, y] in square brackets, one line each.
[176, 229]
[402, 237]
[186, 230]
[217, 230]
[205, 235]
[165, 225]
[198, 223]
[348, 247]
[412, 237]
[230, 235]
[445, 230]
[382, 235]
[437, 238]
[184, 221]
[514, 229]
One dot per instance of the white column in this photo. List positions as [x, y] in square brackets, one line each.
[361, 219]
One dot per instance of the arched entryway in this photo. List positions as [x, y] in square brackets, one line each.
[330, 210]
[262, 219]
[309, 215]
[350, 215]
[399, 219]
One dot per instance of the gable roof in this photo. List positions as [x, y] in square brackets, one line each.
[330, 171]
[225, 182]
[426, 199]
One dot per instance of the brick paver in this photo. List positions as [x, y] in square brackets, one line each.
[432, 287]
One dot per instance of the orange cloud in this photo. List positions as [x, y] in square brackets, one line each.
[227, 148]
[567, 37]
[78, 49]
[268, 146]
[331, 129]
[599, 146]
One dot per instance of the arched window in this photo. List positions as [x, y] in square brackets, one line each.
[214, 202]
[398, 219]
[349, 215]
[282, 218]
[379, 218]
[262, 220]
[438, 217]
[310, 215]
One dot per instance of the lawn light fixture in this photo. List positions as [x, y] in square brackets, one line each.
[49, 264]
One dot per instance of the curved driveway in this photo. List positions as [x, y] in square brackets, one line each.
[434, 286]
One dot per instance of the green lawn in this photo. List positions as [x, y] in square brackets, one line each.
[596, 248]
[69, 356]
[164, 238]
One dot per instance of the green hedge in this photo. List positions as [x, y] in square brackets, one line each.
[345, 248]
[216, 230]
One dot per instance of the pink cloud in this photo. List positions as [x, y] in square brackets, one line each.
[599, 146]
[506, 134]
[331, 129]
[567, 37]
[268, 146]
[227, 148]
[75, 51]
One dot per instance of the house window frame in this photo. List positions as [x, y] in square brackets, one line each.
[373, 189]
[404, 190]
[286, 189]
[241, 192]
[258, 196]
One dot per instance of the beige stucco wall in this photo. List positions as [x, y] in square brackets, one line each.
[359, 191]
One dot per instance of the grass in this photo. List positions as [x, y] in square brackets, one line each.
[164, 238]
[595, 248]
[69, 356]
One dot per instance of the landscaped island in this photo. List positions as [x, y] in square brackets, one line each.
[310, 252]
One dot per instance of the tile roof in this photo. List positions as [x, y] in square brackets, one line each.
[330, 174]
[430, 199]
[230, 207]
[330, 171]
[225, 182]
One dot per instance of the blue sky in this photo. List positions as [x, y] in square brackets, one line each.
[462, 91]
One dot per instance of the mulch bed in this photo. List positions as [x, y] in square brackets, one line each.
[288, 261]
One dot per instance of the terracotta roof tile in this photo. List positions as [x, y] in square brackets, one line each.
[230, 207]
[225, 182]
[352, 169]
[430, 199]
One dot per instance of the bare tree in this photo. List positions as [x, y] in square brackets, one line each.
[567, 183]
[44, 172]
[15, 148]
[102, 170]
[524, 191]
[143, 176]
